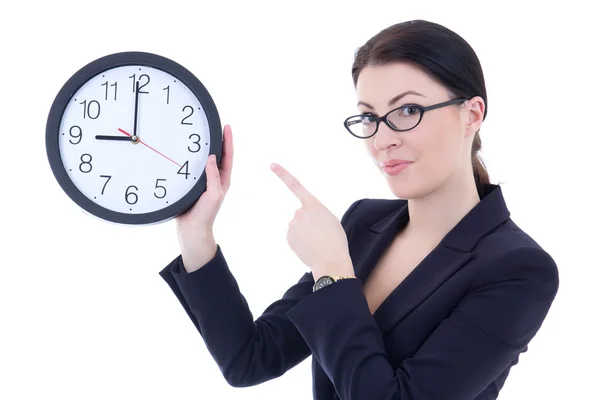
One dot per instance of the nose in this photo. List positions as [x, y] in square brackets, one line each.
[385, 137]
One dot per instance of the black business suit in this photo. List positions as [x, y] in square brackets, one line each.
[452, 329]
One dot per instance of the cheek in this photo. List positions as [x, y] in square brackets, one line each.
[370, 148]
[437, 150]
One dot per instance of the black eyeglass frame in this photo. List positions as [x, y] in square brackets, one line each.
[384, 117]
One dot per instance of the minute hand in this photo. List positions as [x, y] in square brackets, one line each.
[135, 112]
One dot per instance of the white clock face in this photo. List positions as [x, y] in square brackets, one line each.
[134, 177]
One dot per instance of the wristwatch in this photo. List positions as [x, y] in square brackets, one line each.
[328, 280]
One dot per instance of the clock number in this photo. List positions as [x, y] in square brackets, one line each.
[198, 143]
[140, 79]
[147, 82]
[105, 176]
[87, 106]
[167, 89]
[127, 194]
[106, 90]
[162, 187]
[83, 162]
[192, 111]
[73, 136]
[186, 173]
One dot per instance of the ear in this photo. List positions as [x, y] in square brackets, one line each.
[474, 110]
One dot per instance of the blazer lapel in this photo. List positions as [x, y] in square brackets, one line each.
[368, 243]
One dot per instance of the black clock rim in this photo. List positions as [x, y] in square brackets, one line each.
[90, 70]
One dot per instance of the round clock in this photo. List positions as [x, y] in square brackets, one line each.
[128, 138]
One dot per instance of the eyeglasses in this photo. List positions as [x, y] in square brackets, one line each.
[400, 119]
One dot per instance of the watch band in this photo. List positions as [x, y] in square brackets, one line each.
[337, 278]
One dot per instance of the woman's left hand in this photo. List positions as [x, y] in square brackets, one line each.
[315, 234]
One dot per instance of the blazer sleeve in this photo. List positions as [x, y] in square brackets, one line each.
[247, 352]
[481, 337]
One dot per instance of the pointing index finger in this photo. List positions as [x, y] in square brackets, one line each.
[293, 184]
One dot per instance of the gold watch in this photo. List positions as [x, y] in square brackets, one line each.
[328, 280]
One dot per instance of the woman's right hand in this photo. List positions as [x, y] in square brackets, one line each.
[195, 226]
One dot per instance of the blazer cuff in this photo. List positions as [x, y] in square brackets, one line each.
[334, 320]
[203, 291]
[176, 266]
[214, 280]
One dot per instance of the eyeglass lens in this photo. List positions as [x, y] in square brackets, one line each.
[404, 118]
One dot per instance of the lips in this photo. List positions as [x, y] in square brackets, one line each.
[392, 163]
[396, 169]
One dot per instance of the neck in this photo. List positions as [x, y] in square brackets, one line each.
[436, 213]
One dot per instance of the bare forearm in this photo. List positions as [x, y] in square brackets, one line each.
[195, 255]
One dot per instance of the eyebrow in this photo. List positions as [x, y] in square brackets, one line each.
[393, 100]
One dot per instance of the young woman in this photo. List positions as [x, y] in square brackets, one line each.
[433, 295]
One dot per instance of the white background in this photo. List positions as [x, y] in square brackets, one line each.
[84, 313]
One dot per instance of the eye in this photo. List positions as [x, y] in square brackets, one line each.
[366, 118]
[409, 110]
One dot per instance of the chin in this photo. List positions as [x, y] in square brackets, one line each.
[403, 193]
[407, 188]
[402, 189]
[401, 185]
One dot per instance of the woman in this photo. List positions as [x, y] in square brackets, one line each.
[442, 291]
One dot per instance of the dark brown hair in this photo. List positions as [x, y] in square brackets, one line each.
[440, 53]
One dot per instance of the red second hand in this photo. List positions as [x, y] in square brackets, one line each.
[128, 134]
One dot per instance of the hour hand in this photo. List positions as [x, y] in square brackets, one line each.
[109, 137]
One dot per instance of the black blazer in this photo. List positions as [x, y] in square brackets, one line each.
[452, 329]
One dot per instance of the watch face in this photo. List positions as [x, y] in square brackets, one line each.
[324, 281]
[129, 142]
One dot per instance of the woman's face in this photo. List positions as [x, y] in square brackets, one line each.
[439, 146]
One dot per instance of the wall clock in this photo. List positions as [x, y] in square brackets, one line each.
[128, 138]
